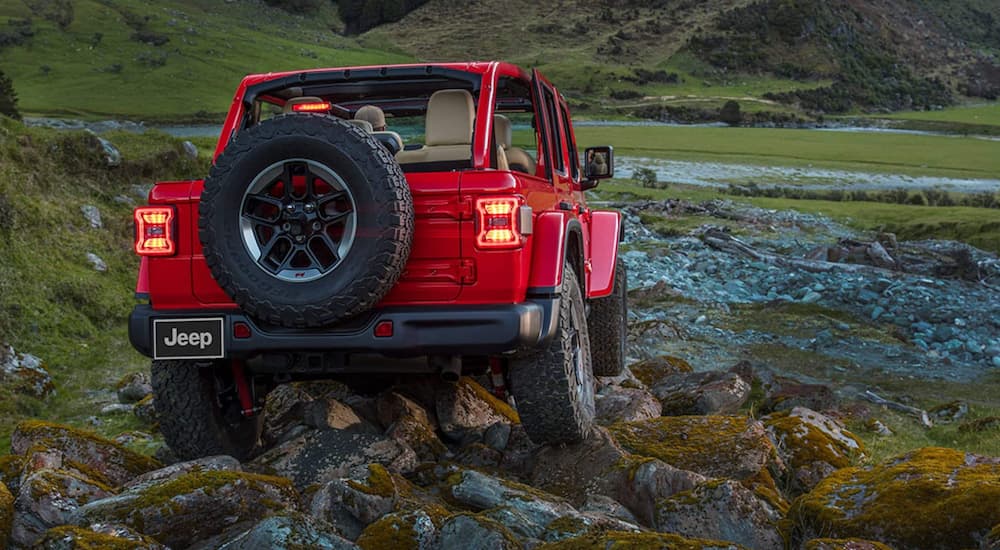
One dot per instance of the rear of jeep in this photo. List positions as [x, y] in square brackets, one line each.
[320, 246]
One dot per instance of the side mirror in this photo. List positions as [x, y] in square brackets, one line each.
[599, 164]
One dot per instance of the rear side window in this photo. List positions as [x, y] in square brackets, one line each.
[550, 107]
[574, 159]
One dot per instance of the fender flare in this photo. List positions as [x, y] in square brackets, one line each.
[605, 233]
[553, 237]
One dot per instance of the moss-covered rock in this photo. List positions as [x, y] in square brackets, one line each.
[731, 447]
[844, 544]
[133, 387]
[464, 410]
[50, 498]
[407, 421]
[115, 462]
[725, 510]
[68, 537]
[6, 515]
[10, 471]
[714, 392]
[353, 505]
[400, 531]
[463, 531]
[812, 445]
[617, 404]
[194, 506]
[989, 423]
[287, 531]
[992, 541]
[24, 373]
[929, 498]
[619, 540]
[651, 371]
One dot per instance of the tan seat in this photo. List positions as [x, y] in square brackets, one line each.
[517, 159]
[451, 115]
[363, 124]
[287, 108]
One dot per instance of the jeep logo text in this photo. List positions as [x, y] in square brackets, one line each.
[198, 339]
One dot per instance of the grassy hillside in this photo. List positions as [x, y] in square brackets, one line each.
[53, 304]
[168, 59]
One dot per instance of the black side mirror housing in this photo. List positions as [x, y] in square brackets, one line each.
[599, 164]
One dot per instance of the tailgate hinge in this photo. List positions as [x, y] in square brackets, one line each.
[467, 272]
[465, 208]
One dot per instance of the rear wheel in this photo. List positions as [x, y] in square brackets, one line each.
[607, 323]
[554, 386]
[199, 410]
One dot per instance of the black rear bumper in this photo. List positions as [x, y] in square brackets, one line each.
[417, 331]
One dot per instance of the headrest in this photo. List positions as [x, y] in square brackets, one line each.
[503, 131]
[450, 117]
[371, 114]
[297, 100]
[363, 124]
[391, 140]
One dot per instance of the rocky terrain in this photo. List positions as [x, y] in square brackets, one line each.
[755, 339]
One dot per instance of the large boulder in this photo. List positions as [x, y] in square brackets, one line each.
[471, 532]
[465, 410]
[113, 461]
[619, 539]
[619, 404]
[71, 537]
[410, 423]
[929, 498]
[49, 498]
[812, 445]
[651, 371]
[733, 447]
[6, 515]
[413, 530]
[289, 531]
[24, 373]
[194, 506]
[784, 394]
[477, 491]
[286, 406]
[599, 466]
[353, 505]
[714, 392]
[221, 463]
[318, 456]
[723, 510]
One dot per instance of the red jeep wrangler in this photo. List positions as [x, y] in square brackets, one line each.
[320, 246]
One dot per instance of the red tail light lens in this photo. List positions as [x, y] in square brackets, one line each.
[154, 231]
[498, 222]
[312, 107]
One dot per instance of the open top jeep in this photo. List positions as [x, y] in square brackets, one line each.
[319, 245]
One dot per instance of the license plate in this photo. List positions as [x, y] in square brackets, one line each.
[188, 339]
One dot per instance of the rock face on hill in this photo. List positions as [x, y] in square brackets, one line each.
[430, 465]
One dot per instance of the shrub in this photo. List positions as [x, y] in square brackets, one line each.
[8, 98]
[297, 6]
[624, 94]
[646, 177]
[730, 113]
[150, 37]
[361, 15]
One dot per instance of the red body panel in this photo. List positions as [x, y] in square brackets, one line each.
[445, 265]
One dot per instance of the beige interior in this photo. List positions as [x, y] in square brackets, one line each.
[516, 158]
[451, 115]
[297, 100]
[363, 124]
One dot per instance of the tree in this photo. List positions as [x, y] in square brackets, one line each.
[8, 98]
[730, 113]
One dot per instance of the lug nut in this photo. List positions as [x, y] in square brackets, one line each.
[290, 208]
[317, 226]
[286, 226]
[310, 207]
[300, 238]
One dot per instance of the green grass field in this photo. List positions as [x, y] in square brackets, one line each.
[211, 46]
[914, 155]
[983, 114]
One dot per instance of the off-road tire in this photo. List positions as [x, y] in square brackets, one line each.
[545, 382]
[383, 205]
[193, 422]
[608, 326]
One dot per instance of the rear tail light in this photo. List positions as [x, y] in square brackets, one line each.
[320, 107]
[154, 231]
[498, 222]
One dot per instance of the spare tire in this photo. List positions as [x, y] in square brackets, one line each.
[305, 220]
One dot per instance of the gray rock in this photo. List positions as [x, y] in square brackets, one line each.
[192, 507]
[24, 373]
[96, 262]
[330, 414]
[220, 463]
[49, 498]
[145, 410]
[282, 532]
[696, 393]
[112, 156]
[465, 532]
[497, 436]
[190, 150]
[414, 530]
[318, 456]
[618, 404]
[134, 387]
[96, 536]
[812, 297]
[465, 410]
[93, 215]
[479, 491]
[117, 408]
[410, 423]
[352, 505]
[722, 510]
[608, 506]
